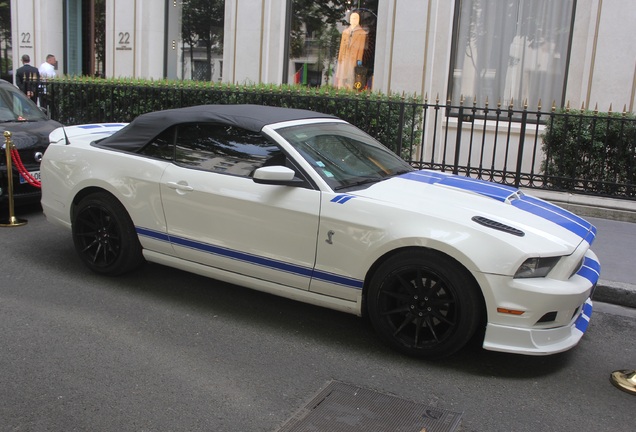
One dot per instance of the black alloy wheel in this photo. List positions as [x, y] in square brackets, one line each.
[104, 236]
[424, 304]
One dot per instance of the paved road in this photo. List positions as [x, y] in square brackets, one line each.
[615, 246]
[162, 350]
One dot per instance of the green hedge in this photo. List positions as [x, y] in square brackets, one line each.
[590, 150]
[395, 120]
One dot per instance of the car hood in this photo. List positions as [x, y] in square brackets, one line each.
[27, 135]
[493, 207]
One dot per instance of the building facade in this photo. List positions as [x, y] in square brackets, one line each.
[512, 51]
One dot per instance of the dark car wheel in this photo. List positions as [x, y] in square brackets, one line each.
[104, 236]
[424, 304]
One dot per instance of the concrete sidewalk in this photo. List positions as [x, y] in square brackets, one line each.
[615, 244]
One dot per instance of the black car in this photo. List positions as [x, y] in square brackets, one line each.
[30, 128]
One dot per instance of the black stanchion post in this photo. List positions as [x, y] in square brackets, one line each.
[12, 221]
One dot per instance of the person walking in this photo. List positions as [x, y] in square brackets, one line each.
[47, 69]
[27, 78]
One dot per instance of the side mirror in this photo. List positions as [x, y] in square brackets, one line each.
[276, 175]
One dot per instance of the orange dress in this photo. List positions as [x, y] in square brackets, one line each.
[352, 47]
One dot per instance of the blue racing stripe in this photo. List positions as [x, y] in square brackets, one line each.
[157, 235]
[341, 199]
[590, 270]
[544, 209]
[583, 321]
[253, 259]
[554, 214]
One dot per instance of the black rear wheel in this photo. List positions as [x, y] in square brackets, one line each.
[104, 236]
[424, 304]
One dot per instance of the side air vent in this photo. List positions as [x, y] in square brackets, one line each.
[498, 226]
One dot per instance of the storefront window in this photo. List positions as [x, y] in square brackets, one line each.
[202, 23]
[332, 43]
[511, 52]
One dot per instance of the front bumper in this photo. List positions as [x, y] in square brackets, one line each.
[538, 341]
[550, 315]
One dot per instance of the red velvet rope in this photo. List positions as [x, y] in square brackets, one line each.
[15, 156]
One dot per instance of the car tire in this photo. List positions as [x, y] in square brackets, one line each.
[424, 303]
[104, 235]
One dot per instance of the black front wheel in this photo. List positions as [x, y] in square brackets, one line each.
[424, 304]
[104, 236]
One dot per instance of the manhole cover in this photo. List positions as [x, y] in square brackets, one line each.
[347, 408]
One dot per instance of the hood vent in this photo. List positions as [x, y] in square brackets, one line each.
[498, 226]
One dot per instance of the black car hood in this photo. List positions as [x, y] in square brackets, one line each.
[29, 134]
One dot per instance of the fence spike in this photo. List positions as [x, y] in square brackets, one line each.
[624, 110]
[610, 109]
[582, 106]
[486, 101]
[567, 107]
[596, 109]
[461, 100]
[539, 105]
[437, 99]
[525, 104]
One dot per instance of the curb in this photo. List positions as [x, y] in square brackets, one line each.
[590, 206]
[616, 293]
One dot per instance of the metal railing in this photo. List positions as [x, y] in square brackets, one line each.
[577, 151]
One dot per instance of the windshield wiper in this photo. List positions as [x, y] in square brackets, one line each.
[368, 180]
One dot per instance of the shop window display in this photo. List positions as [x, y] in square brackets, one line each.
[332, 44]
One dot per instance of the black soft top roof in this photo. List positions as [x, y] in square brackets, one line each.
[251, 117]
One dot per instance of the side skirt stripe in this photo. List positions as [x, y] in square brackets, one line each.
[253, 259]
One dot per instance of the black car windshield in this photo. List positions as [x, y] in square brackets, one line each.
[343, 155]
[16, 107]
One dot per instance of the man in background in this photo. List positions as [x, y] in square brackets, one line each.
[47, 69]
[27, 78]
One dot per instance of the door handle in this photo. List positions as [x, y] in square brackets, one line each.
[180, 186]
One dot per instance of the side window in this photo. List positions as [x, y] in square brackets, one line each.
[223, 149]
[161, 147]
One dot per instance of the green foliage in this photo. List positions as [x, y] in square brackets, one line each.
[590, 151]
[392, 119]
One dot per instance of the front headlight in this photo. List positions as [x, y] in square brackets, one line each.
[536, 267]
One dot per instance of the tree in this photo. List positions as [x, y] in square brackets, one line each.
[202, 24]
[5, 36]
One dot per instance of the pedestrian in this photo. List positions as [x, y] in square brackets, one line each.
[47, 69]
[27, 78]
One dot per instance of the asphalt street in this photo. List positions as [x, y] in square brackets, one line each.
[614, 247]
[164, 350]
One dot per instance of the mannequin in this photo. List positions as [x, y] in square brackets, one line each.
[352, 46]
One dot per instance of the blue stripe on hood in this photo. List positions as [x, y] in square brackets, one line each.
[548, 211]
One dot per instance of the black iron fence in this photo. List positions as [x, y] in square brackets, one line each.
[577, 151]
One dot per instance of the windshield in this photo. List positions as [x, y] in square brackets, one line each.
[343, 155]
[15, 106]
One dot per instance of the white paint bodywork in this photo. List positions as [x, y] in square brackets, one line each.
[320, 246]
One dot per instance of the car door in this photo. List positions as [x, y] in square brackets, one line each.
[218, 216]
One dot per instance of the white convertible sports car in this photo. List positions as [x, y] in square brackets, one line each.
[306, 206]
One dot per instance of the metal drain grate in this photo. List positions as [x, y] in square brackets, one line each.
[341, 407]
